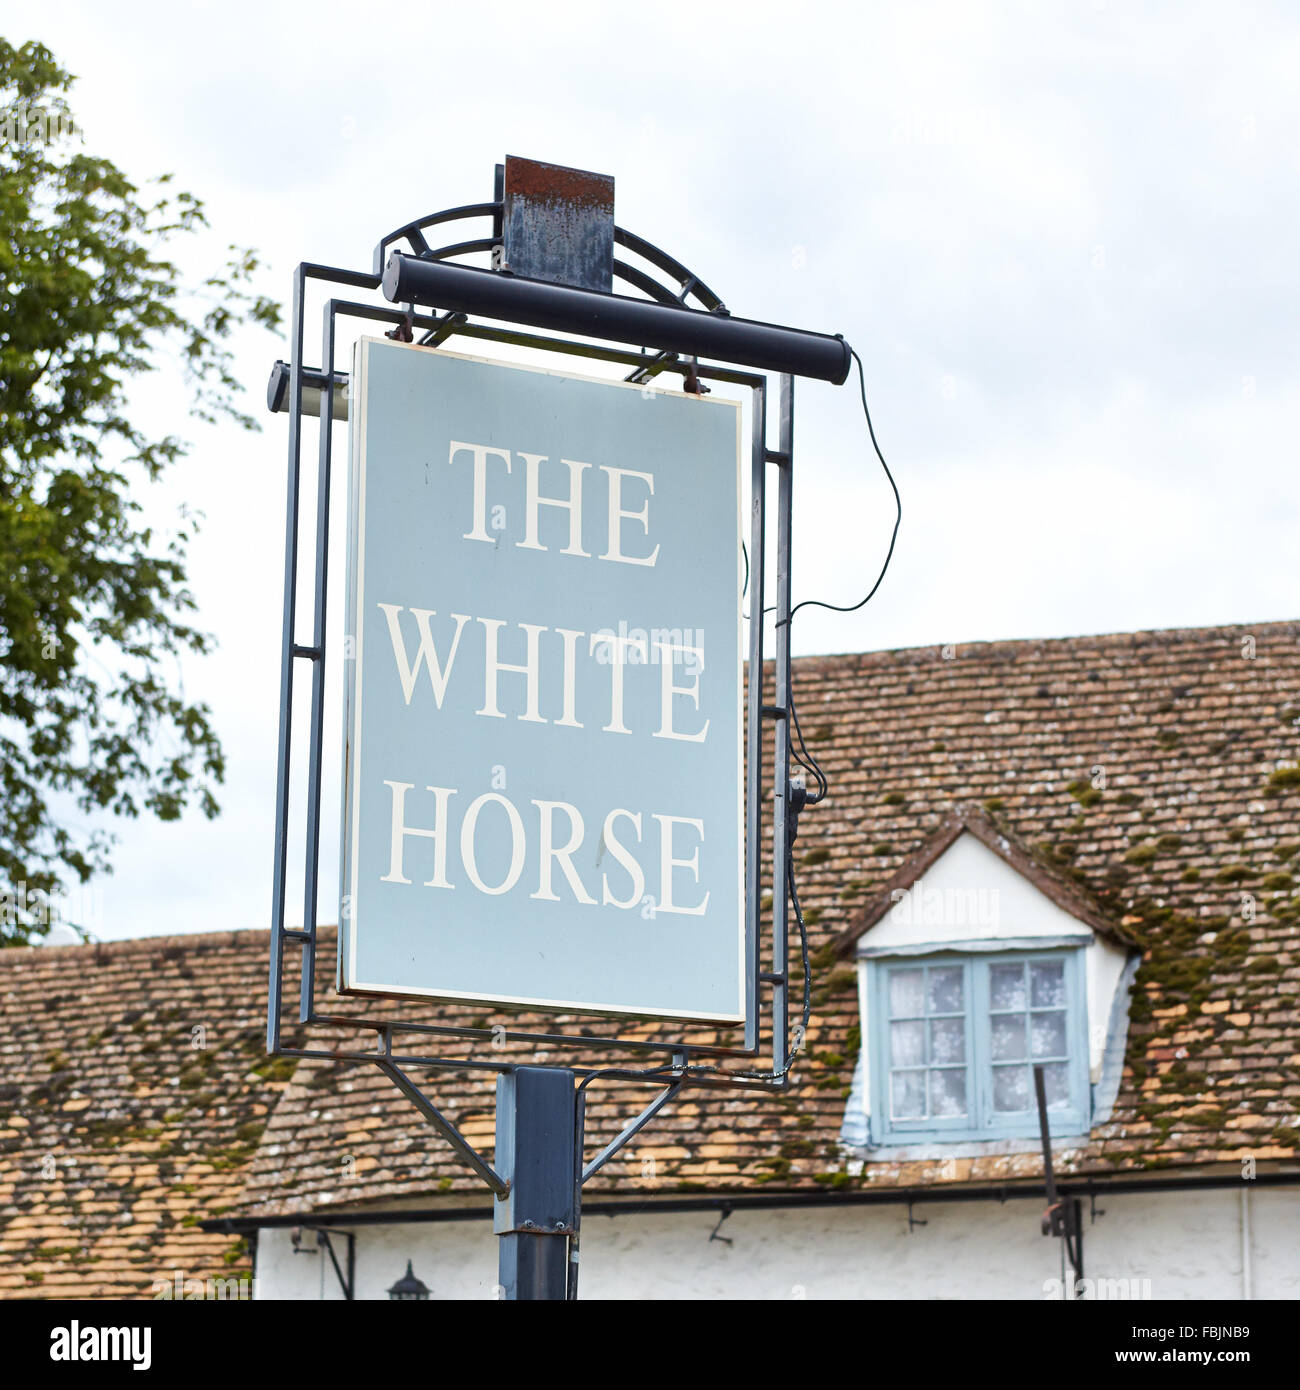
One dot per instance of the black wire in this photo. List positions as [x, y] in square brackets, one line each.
[778, 1073]
[802, 755]
[898, 504]
[803, 951]
[898, 518]
[808, 762]
[674, 1071]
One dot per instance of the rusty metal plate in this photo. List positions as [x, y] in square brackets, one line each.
[558, 224]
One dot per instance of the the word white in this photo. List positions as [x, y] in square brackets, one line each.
[617, 653]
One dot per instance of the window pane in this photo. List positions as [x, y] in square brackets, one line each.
[1007, 986]
[1008, 1037]
[1047, 984]
[948, 1092]
[1056, 1080]
[907, 1044]
[908, 1088]
[945, 990]
[947, 1041]
[1047, 1034]
[906, 993]
[1011, 1088]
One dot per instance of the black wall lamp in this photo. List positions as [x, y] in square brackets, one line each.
[409, 1287]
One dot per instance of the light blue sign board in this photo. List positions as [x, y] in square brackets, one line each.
[529, 821]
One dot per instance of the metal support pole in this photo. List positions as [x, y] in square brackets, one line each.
[1076, 1224]
[755, 730]
[311, 875]
[280, 871]
[536, 1153]
[1064, 1215]
[784, 458]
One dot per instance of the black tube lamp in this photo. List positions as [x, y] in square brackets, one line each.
[562, 308]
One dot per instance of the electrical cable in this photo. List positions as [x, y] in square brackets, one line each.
[806, 760]
[803, 953]
[802, 755]
[776, 1073]
[898, 517]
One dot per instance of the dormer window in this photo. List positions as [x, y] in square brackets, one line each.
[977, 964]
[957, 1036]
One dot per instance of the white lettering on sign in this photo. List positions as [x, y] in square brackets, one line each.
[426, 654]
[608, 655]
[616, 653]
[617, 515]
[673, 869]
[481, 452]
[572, 503]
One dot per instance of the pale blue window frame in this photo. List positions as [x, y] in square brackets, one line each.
[955, 1064]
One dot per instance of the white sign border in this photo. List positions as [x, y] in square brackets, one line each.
[352, 714]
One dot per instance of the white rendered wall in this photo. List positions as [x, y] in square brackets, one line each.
[1188, 1245]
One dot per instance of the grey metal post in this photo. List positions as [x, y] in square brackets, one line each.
[755, 732]
[536, 1154]
[285, 749]
[781, 759]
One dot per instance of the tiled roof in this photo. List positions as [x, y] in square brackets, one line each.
[120, 1124]
[1155, 772]
[1152, 776]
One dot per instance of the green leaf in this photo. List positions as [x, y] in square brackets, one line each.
[94, 607]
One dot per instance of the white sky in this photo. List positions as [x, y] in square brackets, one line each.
[1061, 236]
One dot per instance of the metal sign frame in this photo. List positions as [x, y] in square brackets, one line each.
[766, 990]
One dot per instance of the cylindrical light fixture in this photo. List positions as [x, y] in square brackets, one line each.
[313, 391]
[618, 318]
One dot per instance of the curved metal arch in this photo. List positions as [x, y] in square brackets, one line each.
[688, 284]
[660, 293]
[414, 231]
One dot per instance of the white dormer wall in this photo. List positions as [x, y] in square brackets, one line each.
[973, 899]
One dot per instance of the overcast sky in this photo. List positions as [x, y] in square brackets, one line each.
[1062, 237]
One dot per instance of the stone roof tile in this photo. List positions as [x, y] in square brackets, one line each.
[1153, 775]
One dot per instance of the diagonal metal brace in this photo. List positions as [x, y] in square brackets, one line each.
[632, 1129]
[347, 1282]
[444, 1126]
[661, 362]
